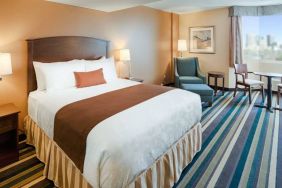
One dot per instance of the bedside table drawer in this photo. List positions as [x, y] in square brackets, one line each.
[7, 124]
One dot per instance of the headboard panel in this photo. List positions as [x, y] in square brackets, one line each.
[63, 48]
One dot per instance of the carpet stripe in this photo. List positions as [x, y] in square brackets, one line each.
[216, 106]
[279, 152]
[219, 119]
[227, 153]
[29, 178]
[265, 158]
[243, 169]
[234, 158]
[20, 176]
[16, 163]
[265, 163]
[34, 182]
[216, 160]
[216, 111]
[256, 163]
[210, 146]
[273, 163]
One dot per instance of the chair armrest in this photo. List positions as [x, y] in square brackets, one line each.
[243, 76]
[176, 82]
[260, 77]
[201, 75]
[176, 75]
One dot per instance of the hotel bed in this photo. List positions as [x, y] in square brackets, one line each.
[144, 145]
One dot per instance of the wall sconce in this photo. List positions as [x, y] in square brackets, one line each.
[124, 55]
[5, 64]
[182, 46]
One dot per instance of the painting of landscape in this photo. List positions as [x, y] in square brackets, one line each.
[202, 40]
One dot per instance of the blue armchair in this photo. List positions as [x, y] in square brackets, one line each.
[187, 71]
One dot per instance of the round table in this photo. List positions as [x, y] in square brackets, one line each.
[269, 77]
[216, 75]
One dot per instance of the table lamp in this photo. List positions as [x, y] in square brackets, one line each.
[5, 64]
[182, 46]
[125, 57]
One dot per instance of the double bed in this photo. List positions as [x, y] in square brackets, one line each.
[146, 144]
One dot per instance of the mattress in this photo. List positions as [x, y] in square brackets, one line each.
[126, 144]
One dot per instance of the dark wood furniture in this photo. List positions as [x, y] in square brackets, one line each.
[8, 134]
[216, 75]
[62, 48]
[269, 77]
[279, 91]
[248, 84]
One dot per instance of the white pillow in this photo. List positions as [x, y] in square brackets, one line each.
[108, 66]
[59, 75]
[39, 76]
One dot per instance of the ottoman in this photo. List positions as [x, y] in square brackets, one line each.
[206, 93]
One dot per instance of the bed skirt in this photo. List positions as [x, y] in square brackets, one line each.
[163, 173]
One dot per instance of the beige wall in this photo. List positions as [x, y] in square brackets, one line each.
[145, 31]
[218, 18]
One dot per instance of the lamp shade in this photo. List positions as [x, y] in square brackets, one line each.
[124, 55]
[5, 64]
[182, 45]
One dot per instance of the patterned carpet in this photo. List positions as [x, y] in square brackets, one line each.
[242, 147]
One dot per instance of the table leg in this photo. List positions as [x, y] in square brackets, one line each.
[269, 96]
[208, 80]
[223, 86]
[269, 93]
[215, 86]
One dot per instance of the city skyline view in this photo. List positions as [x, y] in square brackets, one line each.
[262, 38]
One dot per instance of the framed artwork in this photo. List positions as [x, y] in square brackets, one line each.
[202, 40]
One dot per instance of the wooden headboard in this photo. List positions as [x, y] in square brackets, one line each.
[63, 48]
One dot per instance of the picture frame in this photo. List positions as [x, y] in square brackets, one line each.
[202, 40]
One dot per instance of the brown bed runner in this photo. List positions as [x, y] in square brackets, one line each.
[73, 122]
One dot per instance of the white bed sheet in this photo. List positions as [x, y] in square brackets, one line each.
[124, 145]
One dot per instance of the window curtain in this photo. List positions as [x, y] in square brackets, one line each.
[255, 10]
[236, 13]
[236, 49]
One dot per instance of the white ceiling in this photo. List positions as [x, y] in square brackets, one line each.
[105, 5]
[176, 6]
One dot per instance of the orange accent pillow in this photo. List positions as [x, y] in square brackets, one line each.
[92, 78]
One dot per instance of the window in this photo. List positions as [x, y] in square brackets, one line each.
[262, 42]
[262, 39]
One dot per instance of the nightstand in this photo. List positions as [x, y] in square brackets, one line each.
[135, 79]
[9, 121]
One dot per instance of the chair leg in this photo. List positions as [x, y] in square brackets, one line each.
[223, 88]
[262, 93]
[250, 95]
[278, 96]
[235, 90]
[245, 90]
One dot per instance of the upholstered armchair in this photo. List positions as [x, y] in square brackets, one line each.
[187, 71]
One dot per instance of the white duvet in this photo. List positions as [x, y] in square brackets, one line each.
[121, 147]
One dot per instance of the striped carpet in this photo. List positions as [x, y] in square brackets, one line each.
[242, 147]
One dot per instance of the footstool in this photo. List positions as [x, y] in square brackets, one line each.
[206, 93]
